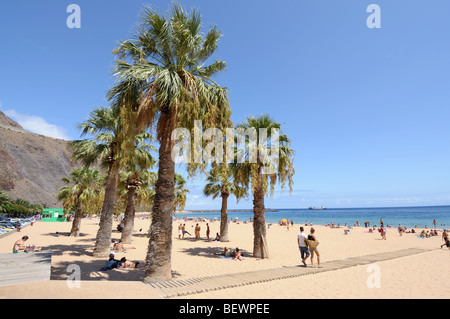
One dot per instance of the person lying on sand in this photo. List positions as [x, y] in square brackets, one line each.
[124, 263]
[119, 247]
[226, 252]
[112, 263]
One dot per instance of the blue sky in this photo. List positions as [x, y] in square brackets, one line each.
[367, 110]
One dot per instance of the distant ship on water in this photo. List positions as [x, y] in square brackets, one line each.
[317, 208]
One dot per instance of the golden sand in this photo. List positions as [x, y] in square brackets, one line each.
[419, 276]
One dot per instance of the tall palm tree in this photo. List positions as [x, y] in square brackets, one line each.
[180, 191]
[131, 180]
[84, 185]
[145, 195]
[104, 125]
[220, 182]
[169, 56]
[262, 174]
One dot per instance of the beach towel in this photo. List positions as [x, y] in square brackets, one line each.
[120, 252]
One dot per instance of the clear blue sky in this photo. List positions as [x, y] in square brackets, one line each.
[368, 110]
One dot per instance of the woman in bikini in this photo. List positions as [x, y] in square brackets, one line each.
[238, 255]
[124, 263]
[18, 245]
[311, 237]
[119, 247]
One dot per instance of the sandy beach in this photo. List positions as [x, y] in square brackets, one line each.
[417, 276]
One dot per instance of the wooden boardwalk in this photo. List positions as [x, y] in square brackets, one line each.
[25, 267]
[174, 288]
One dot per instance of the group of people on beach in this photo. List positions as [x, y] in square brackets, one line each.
[234, 255]
[426, 234]
[123, 263]
[182, 231]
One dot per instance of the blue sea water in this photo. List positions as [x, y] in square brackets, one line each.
[392, 216]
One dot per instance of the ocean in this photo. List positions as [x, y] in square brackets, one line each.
[393, 216]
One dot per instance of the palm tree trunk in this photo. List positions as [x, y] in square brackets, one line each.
[158, 260]
[259, 221]
[224, 218]
[128, 222]
[103, 240]
[75, 231]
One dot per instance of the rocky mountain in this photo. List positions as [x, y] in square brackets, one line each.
[32, 165]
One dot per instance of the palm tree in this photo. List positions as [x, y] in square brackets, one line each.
[220, 182]
[5, 199]
[129, 183]
[104, 124]
[262, 174]
[131, 180]
[83, 186]
[167, 56]
[180, 192]
[145, 195]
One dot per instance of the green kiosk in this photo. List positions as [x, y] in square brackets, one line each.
[53, 215]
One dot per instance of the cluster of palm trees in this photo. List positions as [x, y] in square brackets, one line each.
[18, 206]
[164, 81]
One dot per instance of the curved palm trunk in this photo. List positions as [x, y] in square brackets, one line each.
[224, 218]
[103, 240]
[128, 222]
[259, 221]
[158, 260]
[76, 223]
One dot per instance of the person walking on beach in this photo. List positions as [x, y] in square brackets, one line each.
[304, 251]
[434, 223]
[312, 237]
[444, 235]
[400, 229]
[446, 240]
[381, 222]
